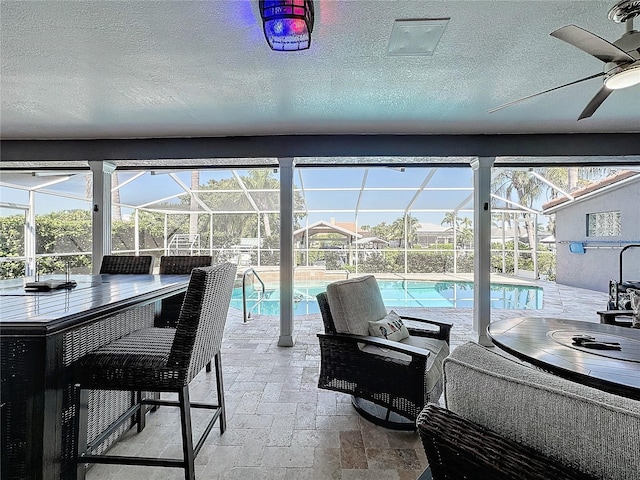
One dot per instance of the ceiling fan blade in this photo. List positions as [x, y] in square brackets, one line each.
[595, 102]
[541, 93]
[592, 44]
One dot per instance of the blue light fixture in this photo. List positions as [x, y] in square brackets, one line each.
[287, 24]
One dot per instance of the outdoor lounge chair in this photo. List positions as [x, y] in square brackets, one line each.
[390, 381]
[160, 360]
[507, 420]
[457, 449]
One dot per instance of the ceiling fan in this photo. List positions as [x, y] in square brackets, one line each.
[621, 58]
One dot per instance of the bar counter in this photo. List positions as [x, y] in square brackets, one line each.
[42, 334]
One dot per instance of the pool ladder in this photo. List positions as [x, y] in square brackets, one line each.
[246, 313]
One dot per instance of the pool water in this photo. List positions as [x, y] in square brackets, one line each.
[401, 293]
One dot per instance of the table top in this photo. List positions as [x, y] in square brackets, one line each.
[28, 312]
[548, 343]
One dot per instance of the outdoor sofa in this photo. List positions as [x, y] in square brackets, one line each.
[506, 420]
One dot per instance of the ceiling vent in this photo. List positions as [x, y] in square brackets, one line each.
[416, 37]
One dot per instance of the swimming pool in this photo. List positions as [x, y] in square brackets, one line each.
[402, 293]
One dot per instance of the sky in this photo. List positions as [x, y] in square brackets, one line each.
[396, 190]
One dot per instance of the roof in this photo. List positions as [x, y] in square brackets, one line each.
[595, 188]
[321, 227]
[434, 228]
[366, 240]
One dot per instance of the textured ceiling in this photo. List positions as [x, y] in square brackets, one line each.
[108, 69]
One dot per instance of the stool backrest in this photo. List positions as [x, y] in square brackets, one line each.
[202, 318]
[181, 264]
[127, 264]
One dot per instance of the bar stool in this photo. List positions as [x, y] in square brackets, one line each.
[177, 265]
[160, 360]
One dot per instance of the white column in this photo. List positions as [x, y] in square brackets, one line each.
[534, 248]
[166, 232]
[259, 240]
[482, 247]
[101, 223]
[286, 252]
[136, 231]
[455, 242]
[30, 237]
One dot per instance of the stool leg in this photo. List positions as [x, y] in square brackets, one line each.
[220, 387]
[142, 411]
[81, 426]
[187, 436]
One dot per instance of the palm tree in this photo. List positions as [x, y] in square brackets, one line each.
[398, 230]
[572, 178]
[520, 187]
[450, 218]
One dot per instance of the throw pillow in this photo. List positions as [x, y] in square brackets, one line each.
[389, 327]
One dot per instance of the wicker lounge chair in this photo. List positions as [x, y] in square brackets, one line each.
[126, 264]
[390, 381]
[161, 360]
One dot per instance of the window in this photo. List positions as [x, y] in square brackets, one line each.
[603, 224]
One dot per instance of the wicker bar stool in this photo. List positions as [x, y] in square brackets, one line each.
[177, 265]
[160, 360]
[126, 264]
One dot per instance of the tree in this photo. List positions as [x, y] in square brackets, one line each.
[450, 218]
[382, 230]
[520, 187]
[570, 179]
[397, 230]
[242, 194]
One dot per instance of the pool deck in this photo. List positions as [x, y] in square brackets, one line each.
[281, 426]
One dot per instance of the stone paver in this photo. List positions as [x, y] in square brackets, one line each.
[281, 426]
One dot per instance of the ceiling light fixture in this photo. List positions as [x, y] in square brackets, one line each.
[287, 24]
[623, 77]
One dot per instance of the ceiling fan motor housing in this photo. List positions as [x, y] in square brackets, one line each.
[630, 43]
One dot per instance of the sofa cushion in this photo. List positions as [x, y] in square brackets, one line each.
[569, 422]
[354, 303]
[390, 327]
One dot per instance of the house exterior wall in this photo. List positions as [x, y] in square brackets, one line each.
[594, 268]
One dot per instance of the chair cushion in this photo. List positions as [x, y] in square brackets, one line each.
[354, 303]
[390, 327]
[136, 361]
[439, 350]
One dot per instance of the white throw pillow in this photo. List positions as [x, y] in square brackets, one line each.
[390, 327]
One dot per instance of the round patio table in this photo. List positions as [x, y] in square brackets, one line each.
[548, 343]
